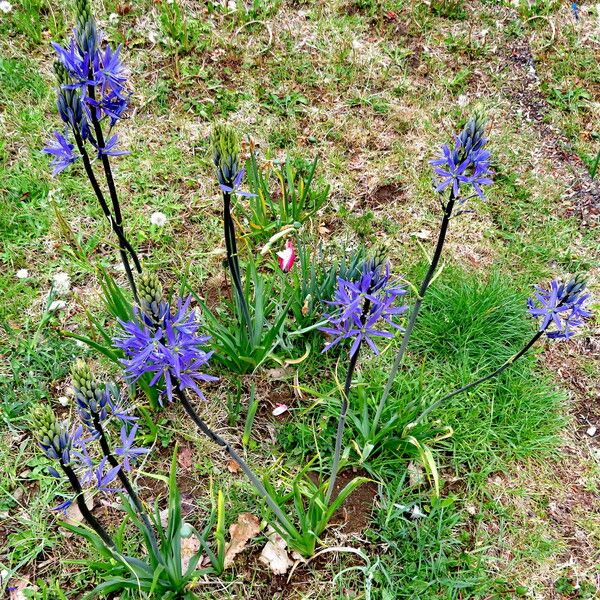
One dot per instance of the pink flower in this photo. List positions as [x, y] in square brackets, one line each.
[287, 257]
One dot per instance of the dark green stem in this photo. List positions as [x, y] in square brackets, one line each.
[232, 258]
[417, 306]
[499, 370]
[109, 178]
[217, 439]
[85, 511]
[123, 243]
[106, 449]
[341, 424]
[344, 408]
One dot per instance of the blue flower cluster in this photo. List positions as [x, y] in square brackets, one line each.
[468, 163]
[92, 87]
[363, 306]
[71, 446]
[561, 308]
[171, 349]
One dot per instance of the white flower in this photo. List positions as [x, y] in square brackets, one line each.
[22, 274]
[5, 7]
[61, 283]
[57, 305]
[279, 409]
[113, 18]
[159, 219]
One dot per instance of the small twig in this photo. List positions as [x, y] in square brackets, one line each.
[268, 28]
[331, 549]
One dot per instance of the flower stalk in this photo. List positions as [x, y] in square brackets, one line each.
[361, 305]
[217, 439]
[229, 174]
[561, 309]
[83, 508]
[91, 90]
[467, 164]
[56, 442]
[335, 465]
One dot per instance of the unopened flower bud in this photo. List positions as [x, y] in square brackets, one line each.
[471, 137]
[51, 435]
[87, 35]
[225, 153]
[151, 294]
[91, 397]
[62, 74]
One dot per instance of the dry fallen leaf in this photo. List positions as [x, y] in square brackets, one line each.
[241, 533]
[233, 467]
[277, 373]
[16, 589]
[274, 555]
[190, 546]
[185, 459]
[73, 515]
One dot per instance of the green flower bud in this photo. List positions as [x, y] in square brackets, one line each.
[226, 150]
[62, 75]
[90, 396]
[150, 293]
[87, 36]
[51, 435]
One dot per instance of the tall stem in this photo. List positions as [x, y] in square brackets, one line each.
[109, 177]
[341, 423]
[106, 449]
[417, 307]
[85, 511]
[217, 439]
[499, 370]
[232, 257]
[344, 408]
[123, 243]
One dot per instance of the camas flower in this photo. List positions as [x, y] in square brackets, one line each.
[561, 308]
[172, 349]
[467, 164]
[109, 148]
[109, 72]
[104, 475]
[99, 69]
[364, 306]
[234, 188]
[127, 451]
[62, 153]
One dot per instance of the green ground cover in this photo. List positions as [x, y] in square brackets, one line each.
[373, 88]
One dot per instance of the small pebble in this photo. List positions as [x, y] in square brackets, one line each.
[591, 431]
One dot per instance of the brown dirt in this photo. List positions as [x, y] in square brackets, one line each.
[383, 196]
[522, 88]
[355, 514]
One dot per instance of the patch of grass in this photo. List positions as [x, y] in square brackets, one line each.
[429, 556]
[467, 328]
